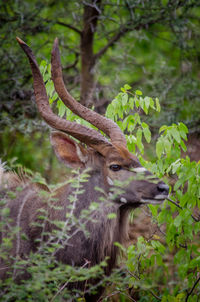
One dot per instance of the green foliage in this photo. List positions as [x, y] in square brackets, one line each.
[47, 279]
[157, 48]
[179, 217]
[125, 111]
[160, 53]
[158, 269]
[171, 140]
[157, 51]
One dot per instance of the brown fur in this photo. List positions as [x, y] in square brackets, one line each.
[124, 153]
[25, 208]
[20, 178]
[13, 179]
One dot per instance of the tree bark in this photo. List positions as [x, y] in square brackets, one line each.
[90, 19]
[92, 10]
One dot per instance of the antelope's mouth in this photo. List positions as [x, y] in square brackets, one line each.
[146, 200]
[156, 200]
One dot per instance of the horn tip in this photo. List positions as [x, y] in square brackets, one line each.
[55, 49]
[56, 42]
[20, 41]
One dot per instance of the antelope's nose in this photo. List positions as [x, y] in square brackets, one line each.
[163, 188]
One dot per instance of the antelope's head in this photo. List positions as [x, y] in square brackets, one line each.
[110, 157]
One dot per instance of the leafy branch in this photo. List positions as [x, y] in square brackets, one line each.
[177, 205]
[69, 26]
[192, 289]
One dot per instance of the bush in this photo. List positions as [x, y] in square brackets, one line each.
[156, 269]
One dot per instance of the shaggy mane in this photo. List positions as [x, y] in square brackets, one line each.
[13, 179]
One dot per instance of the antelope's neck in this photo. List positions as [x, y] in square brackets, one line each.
[97, 242]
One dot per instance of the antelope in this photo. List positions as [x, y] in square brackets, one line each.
[108, 159]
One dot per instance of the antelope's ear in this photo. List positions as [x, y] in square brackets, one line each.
[67, 150]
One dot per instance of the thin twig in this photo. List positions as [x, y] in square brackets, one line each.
[190, 292]
[176, 204]
[73, 64]
[136, 277]
[66, 283]
[155, 296]
[69, 26]
[115, 293]
[113, 40]
[123, 29]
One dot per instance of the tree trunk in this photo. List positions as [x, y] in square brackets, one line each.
[90, 19]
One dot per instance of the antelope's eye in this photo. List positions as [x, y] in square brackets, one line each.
[115, 167]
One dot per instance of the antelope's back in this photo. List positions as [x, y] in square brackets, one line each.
[22, 204]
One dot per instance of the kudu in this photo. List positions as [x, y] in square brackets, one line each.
[108, 160]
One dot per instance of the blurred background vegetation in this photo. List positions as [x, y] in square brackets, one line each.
[151, 45]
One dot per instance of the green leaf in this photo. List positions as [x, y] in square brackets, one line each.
[120, 113]
[127, 87]
[140, 146]
[181, 297]
[131, 103]
[178, 220]
[139, 140]
[43, 67]
[124, 99]
[159, 148]
[138, 92]
[120, 246]
[197, 227]
[141, 103]
[183, 146]
[147, 101]
[61, 108]
[147, 134]
[137, 118]
[157, 245]
[164, 127]
[144, 125]
[137, 102]
[5, 212]
[139, 134]
[144, 107]
[153, 210]
[183, 127]
[183, 130]
[53, 98]
[50, 88]
[94, 206]
[110, 112]
[174, 166]
[131, 124]
[167, 145]
[157, 105]
[178, 183]
[111, 215]
[151, 103]
[174, 132]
